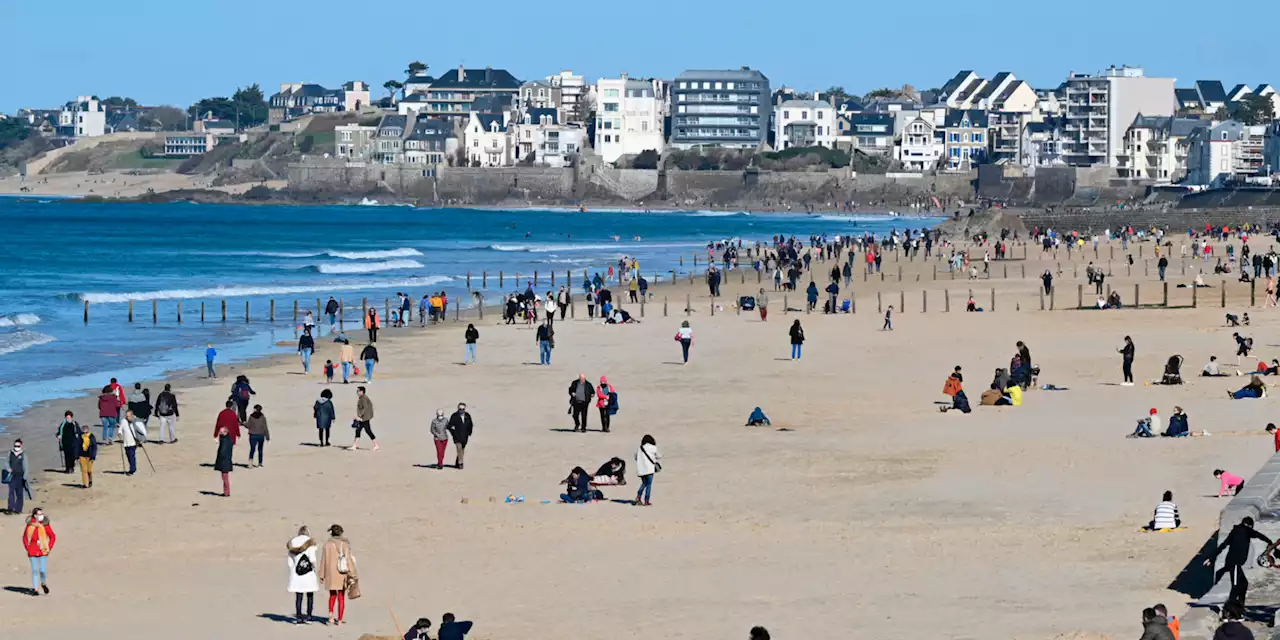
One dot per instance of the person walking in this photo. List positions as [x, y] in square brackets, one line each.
[472, 335]
[109, 414]
[370, 356]
[346, 356]
[337, 567]
[562, 301]
[591, 303]
[1126, 365]
[545, 337]
[240, 392]
[228, 420]
[140, 402]
[331, 309]
[306, 347]
[38, 540]
[685, 337]
[460, 427]
[87, 450]
[16, 468]
[550, 308]
[132, 432]
[222, 463]
[440, 436]
[210, 354]
[647, 465]
[888, 319]
[259, 434]
[364, 419]
[325, 415]
[167, 412]
[811, 295]
[372, 323]
[797, 339]
[1237, 543]
[580, 395]
[304, 578]
[68, 434]
[762, 304]
[606, 402]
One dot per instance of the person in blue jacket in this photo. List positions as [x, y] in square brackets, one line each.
[209, 354]
[1178, 427]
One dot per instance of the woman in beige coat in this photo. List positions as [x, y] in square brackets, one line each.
[337, 571]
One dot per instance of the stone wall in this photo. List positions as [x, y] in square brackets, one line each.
[1174, 219]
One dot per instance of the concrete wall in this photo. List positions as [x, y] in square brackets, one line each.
[1176, 220]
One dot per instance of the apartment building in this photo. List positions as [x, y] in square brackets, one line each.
[1271, 151]
[1156, 147]
[629, 117]
[1006, 135]
[1227, 152]
[804, 123]
[571, 93]
[1042, 144]
[921, 145]
[720, 108]
[451, 96]
[84, 118]
[1100, 108]
[388, 142]
[430, 143]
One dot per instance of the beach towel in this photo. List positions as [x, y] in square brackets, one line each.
[758, 418]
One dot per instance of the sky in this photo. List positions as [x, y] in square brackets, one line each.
[167, 52]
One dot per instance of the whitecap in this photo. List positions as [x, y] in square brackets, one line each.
[248, 290]
[402, 252]
[22, 339]
[19, 320]
[366, 267]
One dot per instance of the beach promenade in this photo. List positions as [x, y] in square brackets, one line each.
[862, 512]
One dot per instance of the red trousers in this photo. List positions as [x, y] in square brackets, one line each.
[339, 598]
[441, 445]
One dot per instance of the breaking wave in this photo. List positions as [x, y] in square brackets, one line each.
[248, 290]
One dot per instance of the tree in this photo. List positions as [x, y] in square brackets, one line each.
[13, 131]
[246, 107]
[883, 92]
[647, 159]
[837, 94]
[164, 118]
[1253, 109]
[416, 68]
[116, 102]
[392, 86]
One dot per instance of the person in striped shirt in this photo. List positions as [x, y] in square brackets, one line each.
[1166, 514]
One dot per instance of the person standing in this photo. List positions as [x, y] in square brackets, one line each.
[685, 337]
[372, 323]
[306, 347]
[331, 309]
[87, 450]
[324, 415]
[347, 356]
[1236, 543]
[606, 402]
[460, 427]
[811, 295]
[647, 465]
[259, 434]
[1126, 365]
[472, 335]
[370, 356]
[210, 354]
[240, 392]
[38, 540]
[228, 420]
[364, 419]
[562, 301]
[440, 436]
[140, 402]
[108, 413]
[797, 339]
[591, 303]
[131, 432]
[337, 566]
[167, 411]
[545, 336]
[222, 463]
[580, 394]
[68, 434]
[303, 576]
[16, 467]
[762, 303]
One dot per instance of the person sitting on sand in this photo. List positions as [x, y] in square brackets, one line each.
[1178, 426]
[1145, 425]
[612, 472]
[579, 487]
[1015, 394]
[1113, 300]
[759, 419]
[1255, 389]
[1166, 515]
[993, 397]
[1272, 369]
[419, 631]
[1212, 370]
[1230, 482]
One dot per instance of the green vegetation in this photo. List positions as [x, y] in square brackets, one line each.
[415, 68]
[116, 102]
[647, 159]
[247, 106]
[802, 158]
[1253, 110]
[13, 131]
[710, 160]
[143, 159]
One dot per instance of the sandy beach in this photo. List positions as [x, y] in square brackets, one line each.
[862, 512]
[115, 184]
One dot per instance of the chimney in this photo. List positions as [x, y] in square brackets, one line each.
[817, 95]
[462, 74]
[488, 74]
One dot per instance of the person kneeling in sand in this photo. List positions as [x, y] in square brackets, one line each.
[579, 487]
[611, 473]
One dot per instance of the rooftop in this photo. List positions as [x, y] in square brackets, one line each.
[487, 78]
[745, 73]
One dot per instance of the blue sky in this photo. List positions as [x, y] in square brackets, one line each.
[168, 52]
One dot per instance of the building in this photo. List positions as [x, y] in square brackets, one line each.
[1101, 107]
[1043, 144]
[541, 136]
[189, 143]
[1006, 135]
[487, 142]
[629, 117]
[354, 142]
[959, 91]
[431, 142]
[84, 118]
[805, 123]
[536, 94]
[921, 145]
[297, 99]
[1228, 152]
[417, 85]
[1238, 92]
[1271, 151]
[451, 95]
[1155, 148]
[412, 104]
[727, 109]
[870, 133]
[1004, 92]
[389, 141]
[571, 92]
[355, 95]
[965, 138]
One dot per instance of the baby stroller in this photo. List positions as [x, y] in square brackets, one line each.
[1173, 371]
[747, 303]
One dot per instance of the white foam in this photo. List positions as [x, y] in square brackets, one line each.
[19, 340]
[367, 267]
[243, 290]
[555, 248]
[19, 320]
[717, 214]
[402, 252]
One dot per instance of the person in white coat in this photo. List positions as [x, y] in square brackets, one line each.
[303, 579]
[648, 464]
[133, 431]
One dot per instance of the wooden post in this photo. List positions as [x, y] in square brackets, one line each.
[688, 304]
[879, 303]
[386, 309]
[1166, 293]
[457, 311]
[553, 277]
[535, 277]
[342, 312]
[246, 312]
[364, 309]
[924, 301]
[1223, 286]
[1253, 292]
[272, 313]
[902, 301]
[573, 308]
[500, 285]
[201, 311]
[295, 313]
[224, 310]
[1041, 290]
[946, 301]
[1113, 252]
[642, 301]
[1195, 294]
[480, 308]
[1024, 269]
[935, 272]
[664, 306]
[784, 304]
[1053, 296]
[993, 290]
[1136, 300]
[853, 304]
[468, 281]
[155, 311]
[899, 273]
[484, 280]
[713, 306]
[130, 311]
[86, 312]
[1146, 268]
[319, 312]
[1006, 272]
[179, 312]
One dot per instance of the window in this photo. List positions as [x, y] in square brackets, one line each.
[611, 107]
[719, 85]
[706, 85]
[953, 137]
[822, 115]
[608, 138]
[729, 86]
[346, 136]
[977, 137]
[610, 93]
[786, 115]
[644, 125]
[1224, 137]
[684, 85]
[804, 115]
[955, 153]
[755, 110]
[1224, 161]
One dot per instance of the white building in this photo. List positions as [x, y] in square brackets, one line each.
[487, 142]
[921, 145]
[84, 118]
[1042, 145]
[354, 142]
[1156, 147]
[1101, 107]
[629, 115]
[355, 95]
[572, 90]
[804, 123]
[1228, 152]
[541, 136]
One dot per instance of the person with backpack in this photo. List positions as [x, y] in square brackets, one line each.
[606, 402]
[240, 392]
[109, 414]
[67, 435]
[797, 339]
[306, 347]
[87, 451]
[167, 411]
[325, 415]
[647, 465]
[303, 577]
[337, 567]
[331, 309]
[370, 356]
[140, 402]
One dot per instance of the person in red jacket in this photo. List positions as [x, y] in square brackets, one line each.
[228, 419]
[38, 539]
[1271, 429]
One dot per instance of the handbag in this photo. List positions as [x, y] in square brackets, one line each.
[5, 476]
[303, 566]
[657, 466]
[352, 587]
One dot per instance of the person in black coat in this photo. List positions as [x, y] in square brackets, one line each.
[797, 339]
[460, 427]
[1237, 545]
[68, 441]
[306, 347]
[581, 393]
[222, 463]
[579, 486]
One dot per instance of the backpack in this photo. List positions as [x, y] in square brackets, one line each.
[342, 561]
[951, 387]
[612, 406]
[304, 566]
[244, 393]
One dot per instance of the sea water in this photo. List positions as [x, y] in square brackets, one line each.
[59, 254]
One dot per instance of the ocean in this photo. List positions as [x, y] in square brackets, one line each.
[59, 254]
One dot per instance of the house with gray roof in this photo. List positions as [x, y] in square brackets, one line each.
[389, 140]
[720, 108]
[804, 123]
[870, 133]
[431, 142]
[1226, 153]
[1155, 148]
[966, 137]
[452, 95]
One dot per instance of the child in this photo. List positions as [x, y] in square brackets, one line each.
[328, 372]
[888, 319]
[1271, 429]
[1229, 481]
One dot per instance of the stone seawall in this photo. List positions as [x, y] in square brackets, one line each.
[1176, 220]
